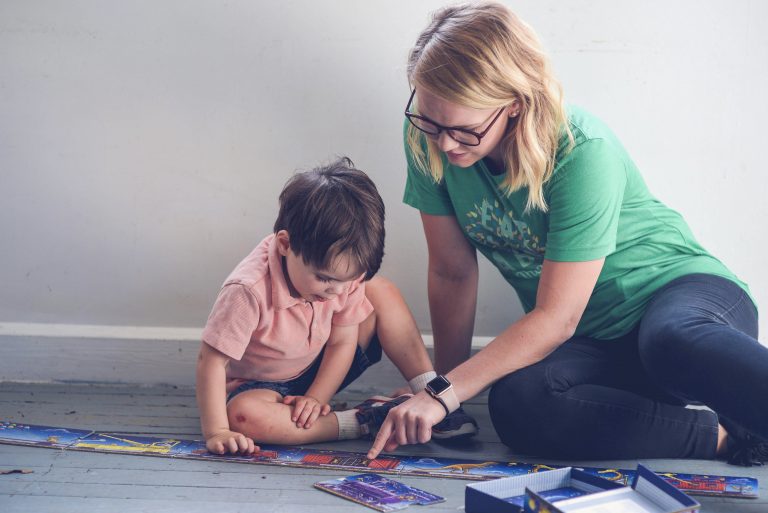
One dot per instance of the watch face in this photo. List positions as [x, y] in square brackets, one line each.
[439, 385]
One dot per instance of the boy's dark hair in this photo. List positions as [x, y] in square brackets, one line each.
[334, 210]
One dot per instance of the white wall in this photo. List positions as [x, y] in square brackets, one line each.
[143, 143]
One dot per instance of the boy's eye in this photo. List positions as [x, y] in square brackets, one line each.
[323, 279]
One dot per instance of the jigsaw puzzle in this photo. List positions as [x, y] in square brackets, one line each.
[83, 440]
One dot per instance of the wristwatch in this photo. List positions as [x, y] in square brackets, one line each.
[442, 390]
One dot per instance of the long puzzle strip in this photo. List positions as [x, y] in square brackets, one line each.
[83, 440]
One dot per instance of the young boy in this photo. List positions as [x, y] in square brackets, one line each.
[301, 317]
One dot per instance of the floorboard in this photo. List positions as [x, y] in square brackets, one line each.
[70, 481]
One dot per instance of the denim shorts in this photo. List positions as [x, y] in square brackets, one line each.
[299, 385]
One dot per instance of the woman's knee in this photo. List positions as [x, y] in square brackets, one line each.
[515, 403]
[690, 313]
[666, 343]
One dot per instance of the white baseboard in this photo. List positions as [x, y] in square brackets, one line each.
[33, 352]
[99, 331]
[156, 333]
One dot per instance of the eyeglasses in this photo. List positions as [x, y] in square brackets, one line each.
[460, 135]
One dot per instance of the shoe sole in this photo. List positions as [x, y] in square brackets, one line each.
[465, 431]
[374, 402]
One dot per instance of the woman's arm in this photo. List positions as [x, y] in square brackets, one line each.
[452, 289]
[563, 293]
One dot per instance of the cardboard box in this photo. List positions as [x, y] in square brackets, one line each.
[649, 494]
[509, 494]
[570, 490]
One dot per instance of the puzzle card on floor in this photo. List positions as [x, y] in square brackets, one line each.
[378, 492]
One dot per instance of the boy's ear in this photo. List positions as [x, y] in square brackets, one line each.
[283, 242]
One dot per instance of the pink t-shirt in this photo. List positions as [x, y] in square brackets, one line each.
[269, 334]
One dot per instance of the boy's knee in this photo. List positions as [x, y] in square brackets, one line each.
[384, 295]
[379, 286]
[243, 417]
[238, 417]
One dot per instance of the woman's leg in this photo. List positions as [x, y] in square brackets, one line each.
[590, 399]
[698, 340]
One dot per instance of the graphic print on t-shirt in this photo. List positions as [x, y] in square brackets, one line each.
[495, 228]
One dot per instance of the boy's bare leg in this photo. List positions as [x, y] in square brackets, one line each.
[261, 415]
[397, 330]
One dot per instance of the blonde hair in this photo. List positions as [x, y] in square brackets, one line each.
[483, 56]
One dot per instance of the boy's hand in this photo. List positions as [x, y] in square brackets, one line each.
[306, 409]
[230, 441]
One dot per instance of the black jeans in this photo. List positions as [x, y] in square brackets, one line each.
[626, 398]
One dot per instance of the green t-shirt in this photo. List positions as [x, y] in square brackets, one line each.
[599, 206]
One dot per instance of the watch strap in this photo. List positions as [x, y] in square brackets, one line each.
[439, 400]
[450, 400]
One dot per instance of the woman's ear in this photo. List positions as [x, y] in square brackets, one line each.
[283, 239]
[514, 109]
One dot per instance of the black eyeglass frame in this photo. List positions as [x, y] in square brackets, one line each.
[447, 129]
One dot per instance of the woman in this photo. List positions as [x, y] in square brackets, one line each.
[628, 319]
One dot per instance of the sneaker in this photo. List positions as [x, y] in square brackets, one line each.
[746, 450]
[743, 448]
[374, 401]
[458, 425]
[372, 412]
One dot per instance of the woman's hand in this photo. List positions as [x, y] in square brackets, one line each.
[306, 409]
[408, 423]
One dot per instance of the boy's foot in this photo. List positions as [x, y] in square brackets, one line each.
[742, 447]
[372, 412]
[458, 425]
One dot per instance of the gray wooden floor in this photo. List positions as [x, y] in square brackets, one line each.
[69, 481]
